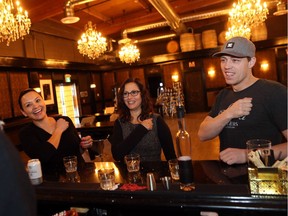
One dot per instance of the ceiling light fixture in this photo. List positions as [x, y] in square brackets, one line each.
[69, 11]
[281, 8]
[245, 15]
[69, 15]
[92, 43]
[15, 22]
[129, 53]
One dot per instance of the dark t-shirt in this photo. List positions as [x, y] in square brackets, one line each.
[34, 142]
[266, 120]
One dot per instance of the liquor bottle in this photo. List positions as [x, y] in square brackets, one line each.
[183, 141]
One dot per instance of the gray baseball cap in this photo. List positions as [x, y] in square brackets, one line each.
[238, 47]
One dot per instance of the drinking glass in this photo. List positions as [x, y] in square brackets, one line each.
[133, 162]
[107, 178]
[264, 178]
[70, 163]
[174, 169]
[186, 173]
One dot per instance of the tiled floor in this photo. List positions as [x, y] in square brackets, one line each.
[208, 150]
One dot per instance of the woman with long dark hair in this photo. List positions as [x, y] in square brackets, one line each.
[48, 138]
[138, 129]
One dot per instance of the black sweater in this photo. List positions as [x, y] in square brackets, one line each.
[121, 147]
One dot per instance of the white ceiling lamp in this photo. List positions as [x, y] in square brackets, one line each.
[69, 11]
[281, 8]
[69, 15]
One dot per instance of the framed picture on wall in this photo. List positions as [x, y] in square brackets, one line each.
[47, 91]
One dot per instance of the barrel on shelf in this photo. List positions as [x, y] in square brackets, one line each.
[187, 42]
[198, 42]
[172, 46]
[209, 39]
[259, 32]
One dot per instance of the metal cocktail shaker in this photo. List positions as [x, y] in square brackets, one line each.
[151, 183]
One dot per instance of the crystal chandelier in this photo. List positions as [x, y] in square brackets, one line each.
[14, 22]
[129, 52]
[92, 43]
[245, 15]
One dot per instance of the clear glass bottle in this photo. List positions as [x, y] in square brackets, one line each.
[183, 141]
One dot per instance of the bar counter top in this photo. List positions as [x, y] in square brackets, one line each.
[218, 188]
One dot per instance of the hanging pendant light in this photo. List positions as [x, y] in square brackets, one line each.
[245, 15]
[14, 21]
[92, 43]
[129, 53]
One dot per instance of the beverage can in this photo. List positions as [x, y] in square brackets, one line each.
[35, 171]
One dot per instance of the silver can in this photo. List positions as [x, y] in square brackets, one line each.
[35, 171]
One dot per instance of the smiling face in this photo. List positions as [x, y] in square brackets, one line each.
[237, 71]
[132, 102]
[33, 106]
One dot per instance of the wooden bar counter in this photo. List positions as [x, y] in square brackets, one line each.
[218, 188]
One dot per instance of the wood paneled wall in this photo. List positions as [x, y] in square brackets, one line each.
[169, 70]
[121, 76]
[108, 82]
[18, 82]
[11, 84]
[5, 98]
[216, 81]
[266, 57]
[138, 73]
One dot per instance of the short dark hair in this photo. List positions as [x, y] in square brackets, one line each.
[22, 93]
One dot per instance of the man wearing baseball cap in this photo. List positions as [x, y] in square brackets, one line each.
[250, 108]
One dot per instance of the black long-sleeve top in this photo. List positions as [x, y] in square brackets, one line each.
[128, 138]
[34, 141]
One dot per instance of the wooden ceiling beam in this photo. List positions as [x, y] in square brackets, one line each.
[41, 10]
[99, 16]
[145, 5]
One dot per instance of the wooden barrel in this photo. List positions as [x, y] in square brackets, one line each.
[209, 39]
[172, 46]
[259, 32]
[187, 42]
[221, 38]
[198, 42]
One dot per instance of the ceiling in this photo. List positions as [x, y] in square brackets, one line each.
[112, 17]
[139, 18]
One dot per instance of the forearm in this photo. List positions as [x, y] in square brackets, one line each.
[211, 127]
[36, 146]
[280, 151]
[55, 138]
[119, 146]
